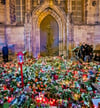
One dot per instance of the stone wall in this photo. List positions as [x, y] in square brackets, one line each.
[97, 38]
[2, 38]
[93, 12]
[2, 13]
[2, 21]
[15, 36]
[82, 33]
[87, 33]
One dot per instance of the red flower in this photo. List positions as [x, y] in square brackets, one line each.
[41, 70]
[70, 104]
[68, 70]
[34, 90]
[52, 68]
[94, 91]
[41, 85]
[55, 77]
[11, 89]
[68, 99]
[82, 101]
[32, 96]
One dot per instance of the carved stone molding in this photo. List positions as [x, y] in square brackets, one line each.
[38, 15]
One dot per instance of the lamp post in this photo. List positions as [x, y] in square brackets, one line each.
[20, 58]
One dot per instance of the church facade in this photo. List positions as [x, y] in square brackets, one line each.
[51, 26]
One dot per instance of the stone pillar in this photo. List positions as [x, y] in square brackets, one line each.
[72, 34]
[68, 12]
[59, 2]
[99, 11]
[35, 3]
[7, 12]
[28, 5]
[21, 10]
[27, 37]
[2, 13]
[27, 27]
[39, 2]
[83, 11]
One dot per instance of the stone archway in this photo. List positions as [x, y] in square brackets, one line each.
[49, 37]
[37, 16]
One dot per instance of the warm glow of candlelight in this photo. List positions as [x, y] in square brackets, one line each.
[85, 77]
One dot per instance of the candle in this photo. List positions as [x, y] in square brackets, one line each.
[10, 99]
[85, 77]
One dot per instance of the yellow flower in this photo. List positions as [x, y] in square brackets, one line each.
[67, 82]
[76, 96]
[38, 85]
[36, 75]
[40, 78]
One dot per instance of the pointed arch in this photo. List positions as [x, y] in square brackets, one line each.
[38, 15]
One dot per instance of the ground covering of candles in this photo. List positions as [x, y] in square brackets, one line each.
[49, 81]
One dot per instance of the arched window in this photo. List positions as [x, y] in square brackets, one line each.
[77, 11]
[20, 11]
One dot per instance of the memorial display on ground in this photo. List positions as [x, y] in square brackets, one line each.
[50, 81]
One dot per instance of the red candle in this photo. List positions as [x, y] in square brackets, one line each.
[84, 77]
[4, 87]
[10, 99]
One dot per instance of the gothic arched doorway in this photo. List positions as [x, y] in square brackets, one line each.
[39, 15]
[49, 37]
